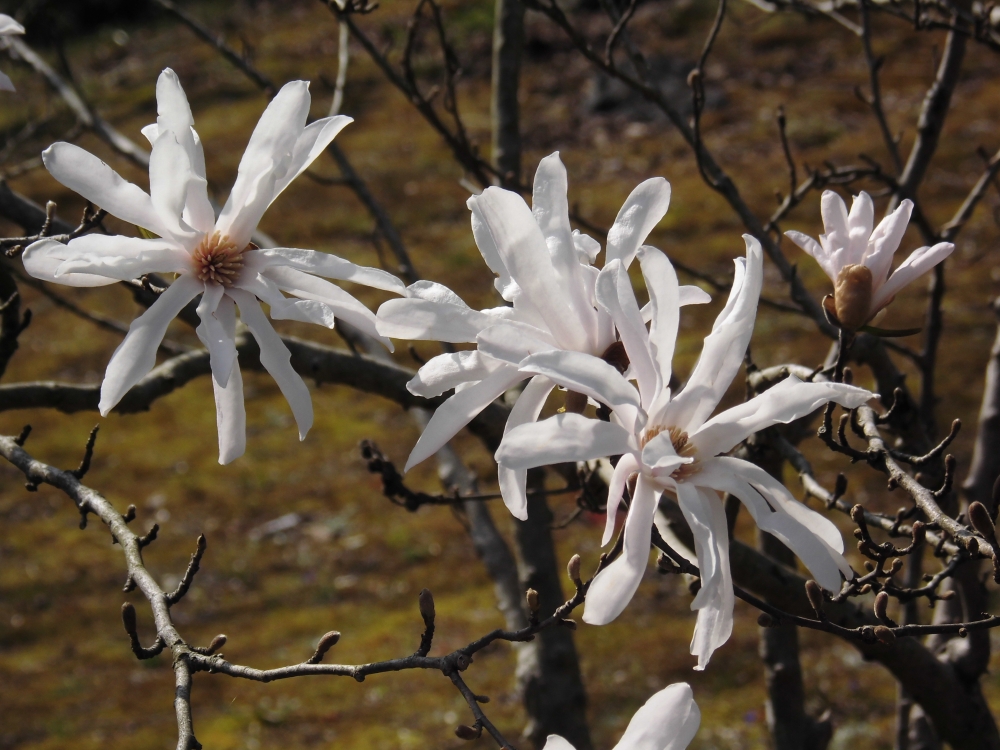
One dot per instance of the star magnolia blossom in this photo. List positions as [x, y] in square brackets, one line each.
[8, 27]
[545, 271]
[211, 257]
[679, 448]
[858, 260]
[669, 720]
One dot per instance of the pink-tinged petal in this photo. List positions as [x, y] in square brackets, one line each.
[136, 355]
[627, 466]
[41, 260]
[329, 266]
[859, 224]
[640, 213]
[785, 402]
[613, 588]
[591, 376]
[562, 438]
[504, 284]
[230, 417]
[555, 742]
[446, 371]
[614, 294]
[669, 720]
[459, 410]
[817, 251]
[309, 145]
[920, 262]
[276, 359]
[513, 482]
[87, 175]
[122, 258]
[884, 242]
[9, 26]
[511, 341]
[5, 83]
[550, 209]
[715, 600]
[836, 236]
[723, 350]
[664, 297]
[266, 159]
[522, 248]
[426, 320]
[214, 335]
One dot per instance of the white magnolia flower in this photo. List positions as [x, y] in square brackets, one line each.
[211, 256]
[545, 271]
[679, 447]
[669, 720]
[8, 27]
[859, 260]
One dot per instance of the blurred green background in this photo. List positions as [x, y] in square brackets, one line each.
[354, 562]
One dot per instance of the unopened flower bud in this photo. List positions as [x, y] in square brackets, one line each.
[980, 519]
[865, 589]
[852, 296]
[532, 597]
[881, 605]
[857, 514]
[815, 595]
[464, 732]
[897, 565]
[326, 642]
[885, 636]
[219, 641]
[128, 617]
[426, 603]
[573, 569]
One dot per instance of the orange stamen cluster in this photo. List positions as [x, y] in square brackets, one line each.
[682, 445]
[217, 260]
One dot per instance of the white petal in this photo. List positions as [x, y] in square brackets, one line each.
[275, 358]
[268, 291]
[724, 347]
[5, 83]
[785, 402]
[459, 410]
[136, 354]
[9, 26]
[101, 185]
[885, 241]
[592, 377]
[859, 223]
[526, 409]
[445, 371]
[660, 458]
[586, 246]
[504, 284]
[562, 438]
[169, 176]
[425, 320]
[266, 159]
[627, 466]
[41, 259]
[330, 266]
[687, 295]
[214, 335]
[525, 255]
[920, 262]
[817, 251]
[641, 211]
[231, 417]
[311, 143]
[715, 600]
[555, 742]
[664, 297]
[836, 236]
[613, 588]
[669, 720]
[512, 341]
[614, 294]
[122, 258]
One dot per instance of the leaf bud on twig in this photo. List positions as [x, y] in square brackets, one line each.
[766, 621]
[919, 531]
[815, 595]
[532, 598]
[328, 641]
[573, 569]
[426, 603]
[897, 565]
[464, 732]
[881, 605]
[857, 514]
[219, 641]
[885, 636]
[980, 519]
[128, 618]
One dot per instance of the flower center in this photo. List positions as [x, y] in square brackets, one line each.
[217, 260]
[682, 445]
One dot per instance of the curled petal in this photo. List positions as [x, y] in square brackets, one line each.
[43, 258]
[885, 240]
[449, 370]
[513, 482]
[627, 466]
[669, 720]
[641, 211]
[920, 262]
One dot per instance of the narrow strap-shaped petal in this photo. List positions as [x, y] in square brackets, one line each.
[613, 588]
[511, 341]
[715, 600]
[504, 284]
[885, 241]
[836, 233]
[686, 295]
[562, 438]
[555, 742]
[265, 160]
[860, 221]
[591, 376]
[287, 308]
[627, 466]
[459, 410]
[9, 26]
[276, 359]
[43, 258]
[122, 258]
[330, 266]
[669, 720]
[230, 412]
[785, 402]
[513, 482]
[920, 262]
[136, 354]
[640, 213]
[5, 83]
[310, 144]
[426, 320]
[446, 371]
[614, 294]
[817, 251]
[664, 298]
[87, 175]
[213, 334]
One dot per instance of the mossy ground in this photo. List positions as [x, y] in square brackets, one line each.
[67, 678]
